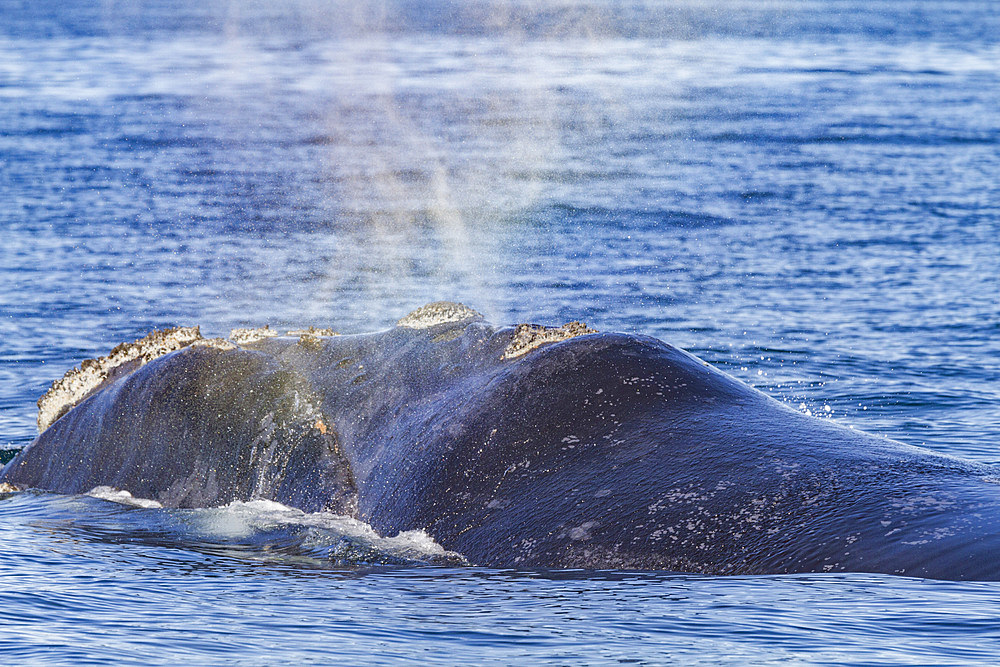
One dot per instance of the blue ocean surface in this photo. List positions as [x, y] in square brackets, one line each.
[804, 194]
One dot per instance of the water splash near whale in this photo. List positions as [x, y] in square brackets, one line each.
[258, 530]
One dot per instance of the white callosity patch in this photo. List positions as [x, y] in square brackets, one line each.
[79, 382]
[217, 343]
[312, 331]
[244, 336]
[439, 312]
[527, 337]
[311, 341]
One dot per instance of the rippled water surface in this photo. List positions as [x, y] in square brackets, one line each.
[804, 194]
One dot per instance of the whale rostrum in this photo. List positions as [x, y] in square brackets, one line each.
[527, 446]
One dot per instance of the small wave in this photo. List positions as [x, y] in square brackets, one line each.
[267, 530]
[122, 497]
[332, 537]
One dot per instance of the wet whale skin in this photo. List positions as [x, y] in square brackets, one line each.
[602, 450]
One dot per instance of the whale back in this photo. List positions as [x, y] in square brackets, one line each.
[523, 446]
[615, 450]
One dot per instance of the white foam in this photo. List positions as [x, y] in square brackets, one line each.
[243, 519]
[326, 534]
[122, 497]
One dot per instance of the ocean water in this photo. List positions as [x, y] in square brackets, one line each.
[803, 193]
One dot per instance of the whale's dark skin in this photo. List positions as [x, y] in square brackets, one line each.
[600, 451]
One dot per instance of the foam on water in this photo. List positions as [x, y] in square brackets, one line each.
[269, 530]
[331, 536]
[123, 497]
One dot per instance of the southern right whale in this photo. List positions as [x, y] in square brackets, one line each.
[525, 446]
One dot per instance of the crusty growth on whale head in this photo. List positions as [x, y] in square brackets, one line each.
[217, 343]
[439, 312]
[78, 383]
[313, 331]
[527, 337]
[245, 336]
